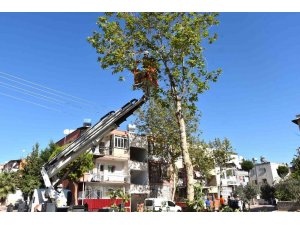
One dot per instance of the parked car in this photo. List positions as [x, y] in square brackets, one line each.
[161, 205]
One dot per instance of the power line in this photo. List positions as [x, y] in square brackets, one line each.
[31, 93]
[24, 100]
[60, 93]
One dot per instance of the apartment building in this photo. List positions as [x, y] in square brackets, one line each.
[120, 162]
[228, 179]
[265, 172]
[13, 165]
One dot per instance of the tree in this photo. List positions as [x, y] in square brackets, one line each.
[119, 194]
[267, 192]
[296, 164]
[222, 151]
[246, 193]
[197, 204]
[247, 165]
[8, 184]
[282, 171]
[75, 170]
[202, 158]
[31, 177]
[161, 125]
[288, 189]
[175, 41]
[48, 151]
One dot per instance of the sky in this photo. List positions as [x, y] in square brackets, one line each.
[252, 103]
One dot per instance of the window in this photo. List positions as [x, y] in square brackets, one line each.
[171, 203]
[99, 194]
[264, 181]
[111, 168]
[155, 173]
[121, 142]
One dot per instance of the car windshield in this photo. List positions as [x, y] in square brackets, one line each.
[148, 202]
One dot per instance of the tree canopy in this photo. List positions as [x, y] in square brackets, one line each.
[282, 171]
[247, 165]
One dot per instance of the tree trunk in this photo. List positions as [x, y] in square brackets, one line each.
[173, 178]
[185, 152]
[75, 192]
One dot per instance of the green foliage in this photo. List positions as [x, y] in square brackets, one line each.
[31, 173]
[8, 184]
[197, 204]
[47, 152]
[174, 39]
[247, 165]
[202, 158]
[296, 165]
[82, 164]
[119, 194]
[267, 192]
[222, 151]
[247, 192]
[288, 190]
[282, 171]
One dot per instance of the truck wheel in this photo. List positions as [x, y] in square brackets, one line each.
[178, 210]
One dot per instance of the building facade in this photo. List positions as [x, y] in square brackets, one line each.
[120, 162]
[265, 173]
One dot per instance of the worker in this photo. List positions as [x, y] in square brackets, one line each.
[60, 197]
[147, 77]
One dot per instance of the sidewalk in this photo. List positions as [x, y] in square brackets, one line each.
[262, 208]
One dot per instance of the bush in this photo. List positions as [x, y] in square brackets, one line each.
[267, 192]
[288, 190]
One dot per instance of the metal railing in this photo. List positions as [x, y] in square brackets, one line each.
[107, 177]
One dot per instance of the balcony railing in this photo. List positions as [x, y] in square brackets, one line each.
[111, 152]
[134, 165]
[114, 178]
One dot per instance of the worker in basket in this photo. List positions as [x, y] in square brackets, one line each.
[147, 77]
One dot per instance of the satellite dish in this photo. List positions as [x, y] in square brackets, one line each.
[66, 131]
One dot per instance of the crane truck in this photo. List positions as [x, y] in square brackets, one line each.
[53, 197]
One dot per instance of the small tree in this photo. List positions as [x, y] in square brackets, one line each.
[75, 170]
[282, 171]
[31, 177]
[247, 165]
[118, 194]
[288, 190]
[267, 192]
[222, 151]
[296, 165]
[198, 204]
[247, 193]
[8, 184]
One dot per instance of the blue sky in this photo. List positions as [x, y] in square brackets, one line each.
[252, 103]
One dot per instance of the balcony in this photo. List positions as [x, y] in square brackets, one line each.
[229, 181]
[139, 189]
[110, 178]
[134, 165]
[114, 153]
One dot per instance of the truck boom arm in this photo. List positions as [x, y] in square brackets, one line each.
[87, 141]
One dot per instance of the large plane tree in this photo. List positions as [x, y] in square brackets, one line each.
[176, 41]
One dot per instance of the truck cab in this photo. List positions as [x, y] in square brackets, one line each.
[161, 205]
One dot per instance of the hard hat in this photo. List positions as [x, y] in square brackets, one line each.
[60, 186]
